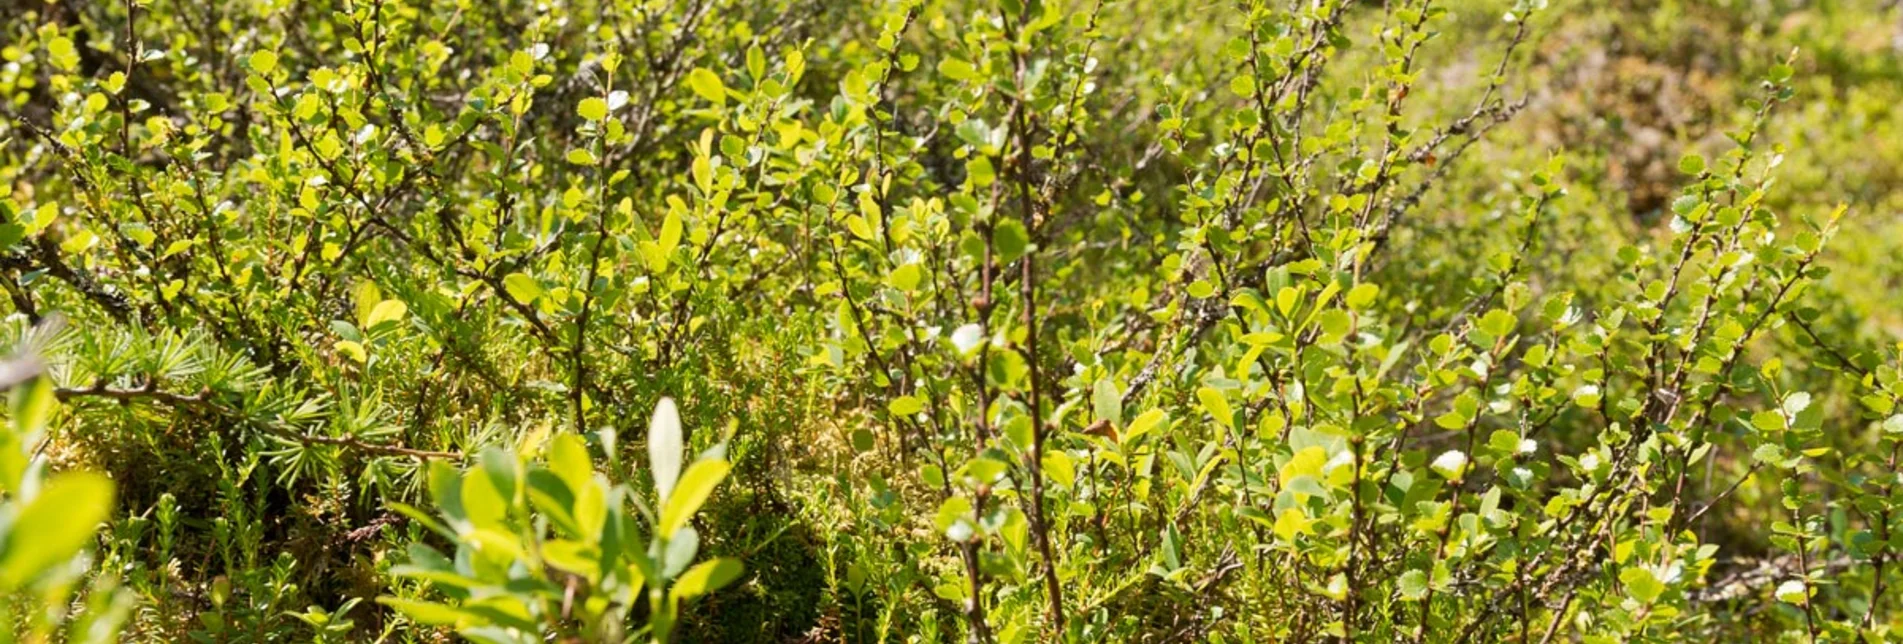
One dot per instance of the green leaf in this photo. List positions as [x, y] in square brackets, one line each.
[1217, 405]
[43, 216]
[1691, 164]
[554, 499]
[32, 403]
[1107, 402]
[385, 311]
[573, 556]
[707, 85]
[980, 172]
[504, 470]
[681, 549]
[695, 486]
[669, 239]
[1307, 461]
[1335, 323]
[580, 156]
[522, 288]
[484, 503]
[445, 486]
[1149, 420]
[1498, 323]
[665, 449]
[353, 350]
[954, 518]
[53, 526]
[329, 146]
[1362, 295]
[593, 109]
[904, 278]
[756, 63]
[1769, 454]
[1058, 466]
[171, 249]
[1413, 584]
[1504, 442]
[264, 61]
[905, 406]
[421, 612]
[568, 459]
[1641, 583]
[1010, 240]
[860, 228]
[1767, 420]
[66, 57]
[956, 69]
[707, 577]
[12, 233]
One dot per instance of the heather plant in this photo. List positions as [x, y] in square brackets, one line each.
[1025, 320]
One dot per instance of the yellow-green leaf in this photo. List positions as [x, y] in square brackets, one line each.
[64, 55]
[385, 311]
[522, 287]
[264, 61]
[593, 109]
[54, 526]
[691, 492]
[1307, 462]
[353, 350]
[707, 577]
[421, 612]
[1217, 405]
[904, 278]
[707, 85]
[1145, 422]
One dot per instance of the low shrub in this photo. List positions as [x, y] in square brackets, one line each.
[1027, 320]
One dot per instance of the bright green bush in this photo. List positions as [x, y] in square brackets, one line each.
[1034, 320]
[514, 582]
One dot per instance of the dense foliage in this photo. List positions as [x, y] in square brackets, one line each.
[987, 320]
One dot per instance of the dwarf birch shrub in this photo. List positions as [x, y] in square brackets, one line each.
[1026, 320]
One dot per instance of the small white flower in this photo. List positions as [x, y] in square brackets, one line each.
[1670, 573]
[1343, 458]
[1528, 446]
[1451, 463]
[960, 531]
[967, 337]
[1793, 592]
